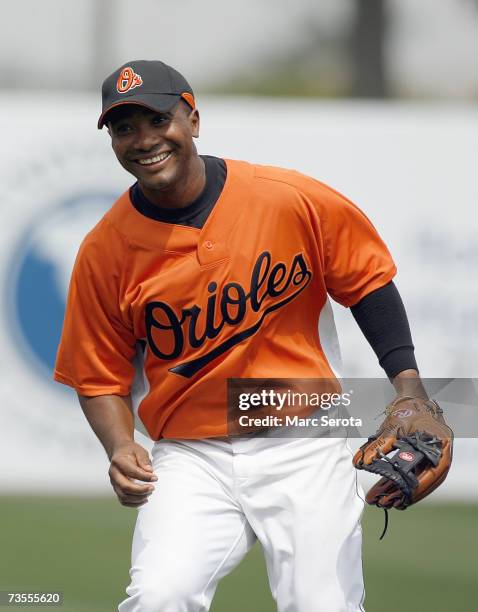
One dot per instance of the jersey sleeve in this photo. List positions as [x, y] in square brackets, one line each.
[97, 345]
[356, 260]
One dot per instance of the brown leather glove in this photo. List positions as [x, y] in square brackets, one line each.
[424, 443]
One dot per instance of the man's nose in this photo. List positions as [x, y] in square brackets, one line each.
[145, 138]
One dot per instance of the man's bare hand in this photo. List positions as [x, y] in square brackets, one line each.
[111, 418]
[130, 462]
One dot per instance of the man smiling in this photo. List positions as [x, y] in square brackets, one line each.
[170, 171]
[205, 270]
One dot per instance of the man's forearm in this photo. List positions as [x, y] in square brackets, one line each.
[111, 418]
[383, 320]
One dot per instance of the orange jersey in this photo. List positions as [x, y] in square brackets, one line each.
[239, 298]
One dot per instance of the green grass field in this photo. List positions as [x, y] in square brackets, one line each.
[426, 563]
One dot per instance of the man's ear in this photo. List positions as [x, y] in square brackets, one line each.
[194, 121]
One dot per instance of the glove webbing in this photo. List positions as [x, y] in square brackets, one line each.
[422, 446]
[417, 448]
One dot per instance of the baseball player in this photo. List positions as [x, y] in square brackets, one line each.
[209, 269]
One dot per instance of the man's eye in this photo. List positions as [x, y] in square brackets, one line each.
[160, 119]
[122, 128]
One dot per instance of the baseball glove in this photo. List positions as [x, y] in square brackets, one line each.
[416, 429]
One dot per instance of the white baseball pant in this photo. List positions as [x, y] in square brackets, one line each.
[299, 497]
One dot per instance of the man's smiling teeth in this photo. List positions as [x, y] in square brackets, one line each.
[155, 159]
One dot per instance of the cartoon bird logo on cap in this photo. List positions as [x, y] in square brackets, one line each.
[128, 79]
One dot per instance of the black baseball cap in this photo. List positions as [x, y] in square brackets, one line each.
[152, 84]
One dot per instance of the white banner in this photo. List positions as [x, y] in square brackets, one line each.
[409, 167]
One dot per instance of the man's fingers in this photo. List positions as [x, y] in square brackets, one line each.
[126, 465]
[130, 464]
[127, 486]
[132, 501]
[126, 505]
[143, 459]
[128, 493]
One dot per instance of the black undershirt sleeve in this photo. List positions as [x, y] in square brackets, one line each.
[382, 318]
